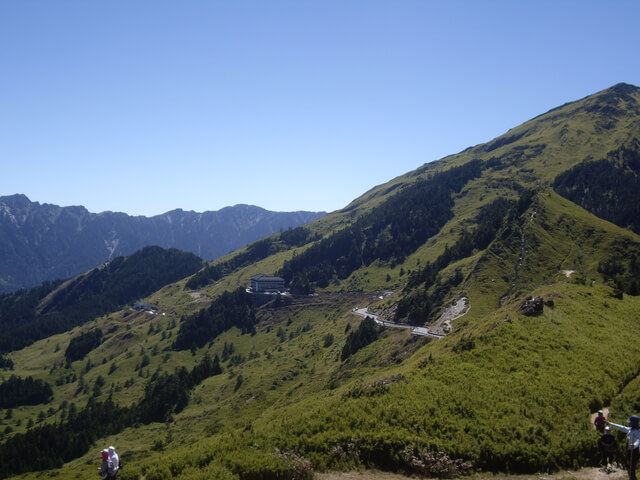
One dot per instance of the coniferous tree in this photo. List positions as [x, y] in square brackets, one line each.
[231, 309]
[366, 333]
[16, 391]
[82, 344]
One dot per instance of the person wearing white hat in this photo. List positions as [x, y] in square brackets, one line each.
[115, 463]
[600, 421]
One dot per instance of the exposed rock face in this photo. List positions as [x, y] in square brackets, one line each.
[532, 306]
[41, 242]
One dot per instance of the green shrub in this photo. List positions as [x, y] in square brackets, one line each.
[158, 472]
[212, 471]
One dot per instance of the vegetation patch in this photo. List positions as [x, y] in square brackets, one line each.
[49, 446]
[608, 188]
[623, 271]
[425, 289]
[438, 464]
[56, 307]
[17, 391]
[82, 344]
[259, 250]
[381, 234]
[6, 362]
[366, 333]
[231, 309]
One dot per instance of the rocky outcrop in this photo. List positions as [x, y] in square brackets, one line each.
[532, 306]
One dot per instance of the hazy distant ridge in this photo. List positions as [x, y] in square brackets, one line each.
[42, 241]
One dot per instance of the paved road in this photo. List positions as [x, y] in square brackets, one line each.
[421, 331]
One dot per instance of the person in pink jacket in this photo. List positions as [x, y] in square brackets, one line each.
[103, 471]
[600, 421]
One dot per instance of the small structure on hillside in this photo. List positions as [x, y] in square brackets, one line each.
[264, 284]
[144, 306]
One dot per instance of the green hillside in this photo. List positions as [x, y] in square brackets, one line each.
[210, 386]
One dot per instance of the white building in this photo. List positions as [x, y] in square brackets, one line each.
[264, 284]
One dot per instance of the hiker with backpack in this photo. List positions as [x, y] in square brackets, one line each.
[114, 463]
[633, 443]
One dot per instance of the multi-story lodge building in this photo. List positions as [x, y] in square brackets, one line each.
[264, 284]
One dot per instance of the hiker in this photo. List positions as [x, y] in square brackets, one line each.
[633, 443]
[103, 471]
[608, 446]
[600, 421]
[115, 463]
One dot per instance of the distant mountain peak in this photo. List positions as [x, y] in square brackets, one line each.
[623, 88]
[613, 95]
[41, 242]
[18, 200]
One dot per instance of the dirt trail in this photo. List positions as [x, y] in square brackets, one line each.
[583, 474]
[605, 411]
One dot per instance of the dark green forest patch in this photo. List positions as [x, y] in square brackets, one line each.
[608, 188]
[28, 316]
[17, 391]
[366, 333]
[389, 232]
[82, 344]
[6, 362]
[231, 309]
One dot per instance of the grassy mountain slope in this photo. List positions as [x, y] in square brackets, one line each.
[502, 391]
[58, 306]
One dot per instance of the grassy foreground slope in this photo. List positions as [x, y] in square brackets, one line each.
[503, 391]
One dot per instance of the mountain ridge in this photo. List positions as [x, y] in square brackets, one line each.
[41, 242]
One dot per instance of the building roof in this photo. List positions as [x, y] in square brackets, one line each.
[265, 278]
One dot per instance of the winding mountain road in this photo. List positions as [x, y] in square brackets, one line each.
[421, 331]
[456, 310]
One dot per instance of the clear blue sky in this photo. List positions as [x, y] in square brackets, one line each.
[146, 106]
